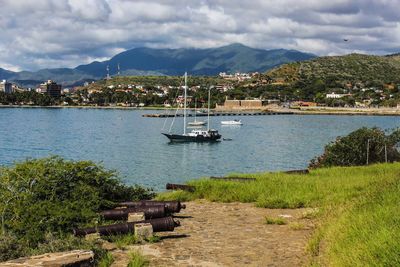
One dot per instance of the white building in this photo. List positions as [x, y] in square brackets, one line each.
[334, 95]
[6, 87]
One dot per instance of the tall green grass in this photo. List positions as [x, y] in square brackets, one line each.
[360, 208]
[279, 190]
[368, 232]
[137, 260]
[106, 260]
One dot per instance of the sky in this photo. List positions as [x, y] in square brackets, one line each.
[39, 34]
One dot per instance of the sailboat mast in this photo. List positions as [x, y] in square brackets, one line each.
[195, 109]
[184, 106]
[208, 113]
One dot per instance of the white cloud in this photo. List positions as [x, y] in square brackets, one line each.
[66, 33]
[90, 9]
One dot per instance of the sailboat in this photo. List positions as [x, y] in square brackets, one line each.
[196, 123]
[208, 135]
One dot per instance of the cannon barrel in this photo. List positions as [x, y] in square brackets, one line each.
[159, 225]
[150, 212]
[170, 206]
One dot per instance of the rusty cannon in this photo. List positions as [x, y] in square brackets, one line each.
[159, 225]
[170, 206]
[150, 212]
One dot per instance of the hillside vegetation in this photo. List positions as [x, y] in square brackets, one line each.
[349, 68]
[363, 80]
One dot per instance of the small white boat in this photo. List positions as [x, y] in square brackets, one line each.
[197, 123]
[234, 122]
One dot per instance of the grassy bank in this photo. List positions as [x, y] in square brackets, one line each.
[359, 222]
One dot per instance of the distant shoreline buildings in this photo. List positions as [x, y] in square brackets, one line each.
[50, 88]
[6, 87]
[238, 76]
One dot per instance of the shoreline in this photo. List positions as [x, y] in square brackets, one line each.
[85, 107]
[342, 111]
[295, 111]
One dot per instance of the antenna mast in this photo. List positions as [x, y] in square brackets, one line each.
[184, 106]
[208, 111]
[108, 72]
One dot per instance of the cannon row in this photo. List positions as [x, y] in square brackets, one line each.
[156, 213]
[159, 225]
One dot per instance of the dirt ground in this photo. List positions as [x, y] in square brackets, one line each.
[233, 234]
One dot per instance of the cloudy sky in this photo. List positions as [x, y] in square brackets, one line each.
[65, 33]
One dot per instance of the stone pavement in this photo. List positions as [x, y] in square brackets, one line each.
[229, 234]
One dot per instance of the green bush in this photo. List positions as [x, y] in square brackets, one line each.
[10, 247]
[52, 196]
[361, 147]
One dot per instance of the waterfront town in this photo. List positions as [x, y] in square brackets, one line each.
[230, 91]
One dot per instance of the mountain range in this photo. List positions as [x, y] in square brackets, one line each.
[149, 61]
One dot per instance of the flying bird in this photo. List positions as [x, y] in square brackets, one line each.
[346, 40]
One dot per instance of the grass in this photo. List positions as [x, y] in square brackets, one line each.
[106, 260]
[311, 214]
[153, 239]
[297, 226]
[280, 190]
[137, 260]
[368, 232]
[277, 221]
[356, 209]
[122, 241]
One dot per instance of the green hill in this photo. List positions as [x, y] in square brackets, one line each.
[348, 68]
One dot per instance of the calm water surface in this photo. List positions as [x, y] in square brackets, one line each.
[131, 144]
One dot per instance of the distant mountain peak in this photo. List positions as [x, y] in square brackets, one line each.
[141, 61]
[235, 45]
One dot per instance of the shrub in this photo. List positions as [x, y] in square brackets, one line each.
[10, 247]
[361, 147]
[52, 196]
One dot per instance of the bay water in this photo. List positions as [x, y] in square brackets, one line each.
[134, 146]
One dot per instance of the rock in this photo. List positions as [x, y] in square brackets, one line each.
[77, 258]
[285, 216]
[143, 231]
[136, 217]
[108, 246]
[93, 237]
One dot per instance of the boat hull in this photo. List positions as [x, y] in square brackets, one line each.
[235, 122]
[187, 138]
[197, 123]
